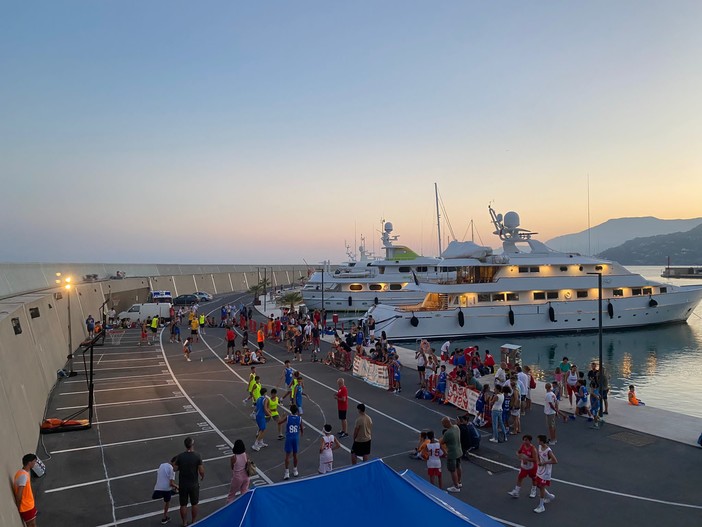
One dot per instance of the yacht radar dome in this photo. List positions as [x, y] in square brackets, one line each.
[511, 220]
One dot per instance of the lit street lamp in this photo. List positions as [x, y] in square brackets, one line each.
[65, 283]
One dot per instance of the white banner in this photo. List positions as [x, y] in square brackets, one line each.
[372, 373]
[462, 397]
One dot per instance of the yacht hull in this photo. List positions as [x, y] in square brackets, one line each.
[569, 316]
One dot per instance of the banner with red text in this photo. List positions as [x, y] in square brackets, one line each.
[462, 397]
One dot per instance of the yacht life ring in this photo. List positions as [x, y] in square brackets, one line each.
[610, 309]
[551, 313]
[511, 317]
[652, 303]
[461, 318]
[414, 321]
[567, 295]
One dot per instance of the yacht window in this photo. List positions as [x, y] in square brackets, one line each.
[564, 268]
[647, 291]
[523, 269]
[448, 269]
[512, 297]
[404, 269]
[664, 289]
[422, 269]
[617, 292]
[352, 264]
[498, 297]
[541, 295]
[580, 268]
[598, 268]
[581, 294]
[375, 287]
[356, 287]
[395, 287]
[636, 291]
[533, 269]
[552, 295]
[483, 297]
[381, 269]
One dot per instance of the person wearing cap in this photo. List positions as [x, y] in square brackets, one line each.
[361, 435]
[22, 486]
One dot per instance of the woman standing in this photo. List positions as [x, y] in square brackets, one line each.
[421, 363]
[498, 423]
[240, 479]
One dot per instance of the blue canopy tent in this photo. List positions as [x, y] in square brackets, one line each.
[370, 493]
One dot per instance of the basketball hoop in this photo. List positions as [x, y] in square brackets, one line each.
[116, 336]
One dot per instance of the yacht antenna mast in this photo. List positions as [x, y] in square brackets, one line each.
[589, 250]
[438, 216]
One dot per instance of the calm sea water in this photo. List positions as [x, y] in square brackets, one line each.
[662, 362]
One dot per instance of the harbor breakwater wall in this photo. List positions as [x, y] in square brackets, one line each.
[34, 335]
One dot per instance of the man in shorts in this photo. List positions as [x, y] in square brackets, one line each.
[231, 344]
[362, 432]
[22, 487]
[342, 405]
[293, 430]
[529, 461]
[550, 411]
[165, 486]
[190, 472]
[451, 444]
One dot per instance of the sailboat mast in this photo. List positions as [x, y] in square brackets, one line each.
[438, 216]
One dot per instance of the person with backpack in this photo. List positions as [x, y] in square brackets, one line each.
[470, 436]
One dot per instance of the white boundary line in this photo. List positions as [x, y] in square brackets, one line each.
[130, 442]
[110, 379]
[144, 417]
[117, 389]
[125, 403]
[123, 476]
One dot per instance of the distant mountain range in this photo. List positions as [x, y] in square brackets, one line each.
[683, 248]
[616, 232]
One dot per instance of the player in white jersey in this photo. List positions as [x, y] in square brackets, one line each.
[433, 453]
[543, 473]
[327, 444]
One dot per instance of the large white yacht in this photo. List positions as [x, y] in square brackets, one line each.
[532, 289]
[359, 284]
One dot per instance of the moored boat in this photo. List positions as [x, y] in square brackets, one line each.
[533, 289]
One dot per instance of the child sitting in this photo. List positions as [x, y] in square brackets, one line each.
[237, 357]
[423, 392]
[633, 400]
[421, 446]
[246, 359]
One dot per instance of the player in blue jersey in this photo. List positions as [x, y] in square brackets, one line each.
[287, 375]
[262, 413]
[293, 431]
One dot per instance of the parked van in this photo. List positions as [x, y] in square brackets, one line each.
[143, 311]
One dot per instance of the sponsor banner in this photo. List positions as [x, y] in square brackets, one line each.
[462, 397]
[372, 373]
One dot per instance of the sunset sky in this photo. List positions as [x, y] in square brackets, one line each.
[269, 132]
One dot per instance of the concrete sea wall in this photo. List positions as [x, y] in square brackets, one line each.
[34, 339]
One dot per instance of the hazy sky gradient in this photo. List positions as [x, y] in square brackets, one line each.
[269, 132]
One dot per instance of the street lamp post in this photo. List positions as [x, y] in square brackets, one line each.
[265, 288]
[599, 313]
[66, 284]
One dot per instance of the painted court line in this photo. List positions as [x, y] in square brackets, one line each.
[124, 403]
[598, 489]
[131, 441]
[144, 417]
[110, 379]
[97, 370]
[130, 360]
[123, 476]
[122, 388]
